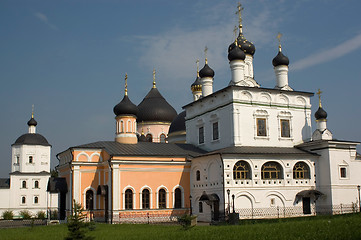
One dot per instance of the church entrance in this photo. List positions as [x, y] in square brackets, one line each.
[306, 205]
[215, 211]
[103, 192]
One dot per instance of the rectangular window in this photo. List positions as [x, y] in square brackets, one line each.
[261, 127]
[215, 131]
[30, 159]
[200, 135]
[343, 172]
[200, 205]
[285, 128]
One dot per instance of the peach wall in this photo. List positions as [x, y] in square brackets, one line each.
[156, 129]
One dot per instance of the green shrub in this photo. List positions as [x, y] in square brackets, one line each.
[76, 224]
[25, 214]
[8, 215]
[186, 221]
[54, 215]
[41, 215]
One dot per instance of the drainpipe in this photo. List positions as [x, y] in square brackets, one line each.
[224, 188]
[111, 191]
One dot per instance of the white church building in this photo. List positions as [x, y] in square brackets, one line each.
[26, 189]
[262, 154]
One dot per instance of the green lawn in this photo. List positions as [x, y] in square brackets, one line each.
[318, 228]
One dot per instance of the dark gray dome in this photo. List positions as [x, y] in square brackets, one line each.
[206, 71]
[32, 122]
[32, 139]
[178, 124]
[155, 108]
[245, 45]
[236, 54]
[320, 114]
[125, 107]
[280, 59]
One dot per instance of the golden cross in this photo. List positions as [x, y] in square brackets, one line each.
[154, 78]
[239, 12]
[32, 111]
[126, 84]
[319, 98]
[205, 53]
[279, 35]
[235, 31]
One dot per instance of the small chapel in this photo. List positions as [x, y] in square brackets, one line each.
[238, 149]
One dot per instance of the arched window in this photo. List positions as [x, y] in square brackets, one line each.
[89, 200]
[198, 175]
[129, 126]
[272, 170]
[301, 171]
[36, 184]
[162, 138]
[128, 199]
[23, 200]
[178, 198]
[162, 200]
[36, 200]
[149, 137]
[145, 199]
[121, 126]
[24, 184]
[241, 170]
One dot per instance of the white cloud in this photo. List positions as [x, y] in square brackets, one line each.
[42, 17]
[174, 52]
[329, 54]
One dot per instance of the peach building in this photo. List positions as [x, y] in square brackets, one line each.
[125, 180]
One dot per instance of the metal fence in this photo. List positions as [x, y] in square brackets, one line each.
[297, 211]
[22, 223]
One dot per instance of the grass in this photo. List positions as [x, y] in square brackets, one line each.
[332, 227]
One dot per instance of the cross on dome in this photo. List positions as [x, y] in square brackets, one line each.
[279, 35]
[319, 98]
[154, 78]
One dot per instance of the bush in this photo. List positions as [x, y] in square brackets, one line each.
[54, 215]
[8, 215]
[25, 214]
[41, 215]
[186, 221]
[76, 224]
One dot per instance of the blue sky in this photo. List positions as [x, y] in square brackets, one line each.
[69, 58]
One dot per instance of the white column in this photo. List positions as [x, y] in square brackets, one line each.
[321, 124]
[207, 86]
[281, 76]
[237, 70]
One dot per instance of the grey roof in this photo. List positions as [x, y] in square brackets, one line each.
[42, 173]
[262, 151]
[4, 183]
[146, 149]
[32, 139]
[57, 184]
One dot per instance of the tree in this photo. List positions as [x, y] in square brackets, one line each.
[76, 224]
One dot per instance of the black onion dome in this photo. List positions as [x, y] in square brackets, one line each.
[280, 59]
[236, 54]
[206, 71]
[32, 139]
[320, 114]
[32, 122]
[155, 108]
[245, 45]
[197, 84]
[125, 107]
[178, 124]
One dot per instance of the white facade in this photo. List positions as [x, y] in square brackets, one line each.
[262, 151]
[30, 172]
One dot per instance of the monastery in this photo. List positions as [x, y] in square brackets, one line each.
[241, 148]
